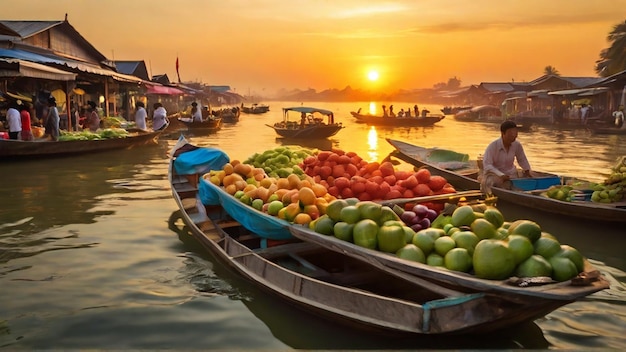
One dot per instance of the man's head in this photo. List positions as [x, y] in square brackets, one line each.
[508, 129]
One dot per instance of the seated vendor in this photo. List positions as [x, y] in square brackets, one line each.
[499, 158]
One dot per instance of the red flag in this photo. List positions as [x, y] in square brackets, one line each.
[177, 73]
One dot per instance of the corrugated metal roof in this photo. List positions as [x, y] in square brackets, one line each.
[57, 60]
[29, 28]
[580, 91]
[21, 68]
[497, 87]
[127, 67]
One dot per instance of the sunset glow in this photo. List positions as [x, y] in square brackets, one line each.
[373, 76]
[308, 44]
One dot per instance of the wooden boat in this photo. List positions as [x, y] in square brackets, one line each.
[309, 124]
[210, 124]
[255, 109]
[229, 115]
[485, 113]
[346, 284]
[451, 110]
[463, 175]
[422, 121]
[526, 302]
[607, 130]
[43, 148]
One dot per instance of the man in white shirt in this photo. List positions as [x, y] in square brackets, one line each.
[196, 112]
[159, 117]
[618, 115]
[499, 158]
[140, 115]
[15, 123]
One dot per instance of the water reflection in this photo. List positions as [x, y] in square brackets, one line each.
[317, 143]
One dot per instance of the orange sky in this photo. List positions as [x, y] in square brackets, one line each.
[265, 45]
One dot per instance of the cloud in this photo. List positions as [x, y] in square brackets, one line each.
[520, 21]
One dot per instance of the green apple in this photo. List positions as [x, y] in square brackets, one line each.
[365, 233]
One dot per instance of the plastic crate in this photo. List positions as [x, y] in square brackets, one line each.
[531, 184]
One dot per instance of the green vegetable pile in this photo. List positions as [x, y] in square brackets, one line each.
[107, 133]
[281, 161]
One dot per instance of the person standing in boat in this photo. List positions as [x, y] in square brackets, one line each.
[52, 120]
[15, 122]
[159, 117]
[196, 113]
[27, 133]
[499, 158]
[93, 121]
[140, 115]
[618, 115]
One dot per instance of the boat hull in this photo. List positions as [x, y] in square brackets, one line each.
[308, 132]
[398, 121]
[207, 125]
[31, 149]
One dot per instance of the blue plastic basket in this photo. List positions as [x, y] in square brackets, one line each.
[531, 184]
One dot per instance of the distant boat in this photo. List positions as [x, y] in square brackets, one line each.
[607, 130]
[309, 125]
[451, 110]
[484, 113]
[211, 124]
[255, 109]
[424, 120]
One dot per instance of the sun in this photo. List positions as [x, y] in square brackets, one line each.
[373, 76]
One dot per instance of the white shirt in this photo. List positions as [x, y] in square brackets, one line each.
[14, 120]
[197, 116]
[158, 118]
[619, 116]
[499, 161]
[140, 118]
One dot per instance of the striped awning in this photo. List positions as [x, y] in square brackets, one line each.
[22, 68]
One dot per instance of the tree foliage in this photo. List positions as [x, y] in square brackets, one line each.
[551, 71]
[613, 59]
[453, 83]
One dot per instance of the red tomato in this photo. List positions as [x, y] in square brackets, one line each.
[423, 175]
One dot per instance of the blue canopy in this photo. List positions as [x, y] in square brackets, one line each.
[199, 161]
[308, 110]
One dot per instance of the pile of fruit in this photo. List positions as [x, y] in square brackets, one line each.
[474, 239]
[290, 198]
[479, 241]
[281, 161]
[611, 190]
[106, 133]
[346, 175]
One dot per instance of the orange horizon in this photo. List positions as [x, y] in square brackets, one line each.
[263, 47]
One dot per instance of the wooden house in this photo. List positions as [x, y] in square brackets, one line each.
[57, 44]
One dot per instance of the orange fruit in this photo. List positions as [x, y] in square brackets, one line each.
[302, 219]
[294, 181]
[228, 168]
[306, 196]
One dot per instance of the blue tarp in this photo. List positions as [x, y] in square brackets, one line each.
[264, 225]
[200, 161]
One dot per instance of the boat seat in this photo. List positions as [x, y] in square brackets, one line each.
[184, 187]
[188, 203]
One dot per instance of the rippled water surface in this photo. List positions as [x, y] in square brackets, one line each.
[88, 258]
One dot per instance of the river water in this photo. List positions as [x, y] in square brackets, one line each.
[88, 259]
